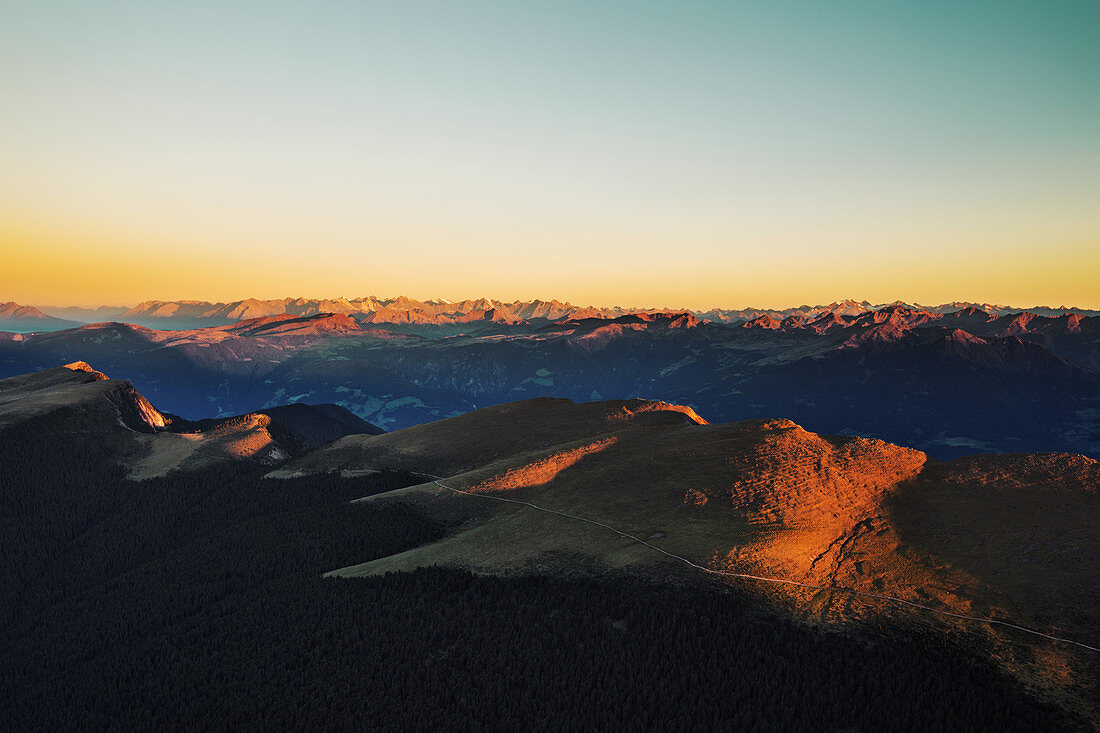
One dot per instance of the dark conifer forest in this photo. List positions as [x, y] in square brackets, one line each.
[197, 602]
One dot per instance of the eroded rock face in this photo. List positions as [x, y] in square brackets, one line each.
[134, 411]
[797, 479]
[817, 501]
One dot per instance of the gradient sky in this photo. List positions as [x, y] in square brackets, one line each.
[674, 154]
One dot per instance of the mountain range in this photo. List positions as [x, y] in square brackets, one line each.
[992, 557]
[431, 315]
[27, 319]
[946, 383]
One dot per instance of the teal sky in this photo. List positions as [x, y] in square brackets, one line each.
[651, 153]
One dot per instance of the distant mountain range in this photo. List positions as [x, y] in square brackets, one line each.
[28, 319]
[947, 383]
[433, 316]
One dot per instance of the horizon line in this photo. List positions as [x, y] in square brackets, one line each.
[631, 308]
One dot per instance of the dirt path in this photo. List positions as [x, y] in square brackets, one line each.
[782, 581]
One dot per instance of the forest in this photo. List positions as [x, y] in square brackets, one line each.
[196, 601]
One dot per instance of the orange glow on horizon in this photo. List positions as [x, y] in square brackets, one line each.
[58, 265]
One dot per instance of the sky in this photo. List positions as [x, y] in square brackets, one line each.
[665, 154]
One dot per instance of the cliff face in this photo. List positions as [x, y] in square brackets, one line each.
[134, 411]
[149, 442]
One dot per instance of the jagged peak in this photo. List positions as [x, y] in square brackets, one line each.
[765, 321]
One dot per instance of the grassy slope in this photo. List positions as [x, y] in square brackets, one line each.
[997, 536]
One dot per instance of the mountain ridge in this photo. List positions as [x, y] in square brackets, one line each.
[1007, 537]
[157, 442]
[26, 318]
[956, 382]
[404, 310]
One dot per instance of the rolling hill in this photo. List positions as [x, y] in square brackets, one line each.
[641, 487]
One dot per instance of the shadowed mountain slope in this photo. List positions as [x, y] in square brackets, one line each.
[80, 387]
[1008, 537]
[195, 601]
[469, 441]
[153, 442]
[1005, 537]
